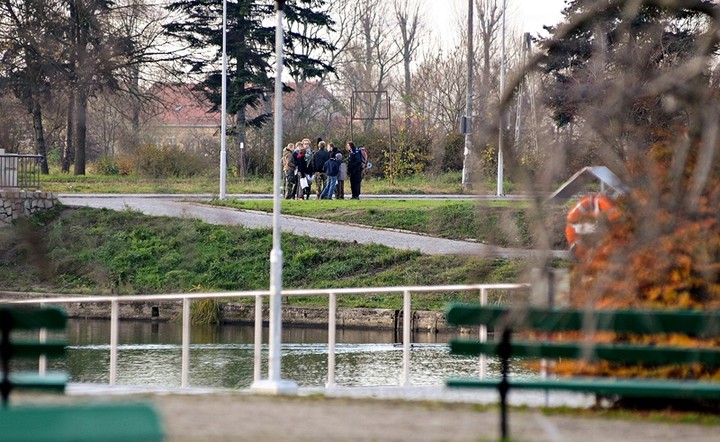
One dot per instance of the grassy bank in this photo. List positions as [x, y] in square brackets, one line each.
[101, 251]
[498, 222]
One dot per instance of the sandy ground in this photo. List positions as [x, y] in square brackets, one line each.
[238, 416]
[259, 418]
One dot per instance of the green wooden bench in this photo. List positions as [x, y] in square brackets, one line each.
[78, 422]
[504, 321]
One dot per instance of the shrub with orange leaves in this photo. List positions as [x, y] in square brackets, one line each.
[662, 252]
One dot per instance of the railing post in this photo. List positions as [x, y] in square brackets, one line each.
[185, 368]
[407, 321]
[483, 335]
[114, 331]
[332, 322]
[257, 352]
[42, 361]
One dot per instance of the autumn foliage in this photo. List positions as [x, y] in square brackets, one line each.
[661, 252]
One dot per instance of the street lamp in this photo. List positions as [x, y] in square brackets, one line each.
[275, 385]
[223, 105]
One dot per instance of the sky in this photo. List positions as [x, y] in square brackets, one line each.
[525, 15]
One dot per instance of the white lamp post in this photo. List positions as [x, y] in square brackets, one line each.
[223, 105]
[275, 385]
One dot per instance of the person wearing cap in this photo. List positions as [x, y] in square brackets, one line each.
[331, 169]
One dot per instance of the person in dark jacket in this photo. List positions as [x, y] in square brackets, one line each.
[299, 160]
[354, 169]
[331, 169]
[333, 150]
[319, 159]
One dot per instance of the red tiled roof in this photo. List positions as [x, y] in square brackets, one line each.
[180, 106]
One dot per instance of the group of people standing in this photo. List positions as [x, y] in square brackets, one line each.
[325, 167]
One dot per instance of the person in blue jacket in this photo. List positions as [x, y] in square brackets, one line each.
[331, 169]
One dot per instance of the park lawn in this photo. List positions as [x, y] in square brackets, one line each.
[210, 184]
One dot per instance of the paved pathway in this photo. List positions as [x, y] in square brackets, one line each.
[182, 206]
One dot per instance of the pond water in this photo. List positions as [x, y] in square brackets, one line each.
[222, 356]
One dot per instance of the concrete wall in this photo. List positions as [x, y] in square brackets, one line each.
[20, 203]
[233, 312]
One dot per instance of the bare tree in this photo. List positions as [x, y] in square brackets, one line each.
[119, 111]
[410, 26]
[440, 89]
[29, 58]
[370, 56]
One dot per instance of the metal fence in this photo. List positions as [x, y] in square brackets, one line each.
[20, 171]
[331, 294]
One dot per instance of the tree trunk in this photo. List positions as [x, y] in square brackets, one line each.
[136, 106]
[241, 140]
[80, 131]
[39, 135]
[68, 156]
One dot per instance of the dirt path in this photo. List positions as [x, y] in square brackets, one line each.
[240, 416]
[235, 417]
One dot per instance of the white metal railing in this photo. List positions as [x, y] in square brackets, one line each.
[20, 171]
[332, 295]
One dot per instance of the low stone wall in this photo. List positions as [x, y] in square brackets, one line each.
[15, 204]
[233, 312]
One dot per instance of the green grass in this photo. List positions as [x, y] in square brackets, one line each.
[64, 183]
[98, 251]
[449, 183]
[498, 222]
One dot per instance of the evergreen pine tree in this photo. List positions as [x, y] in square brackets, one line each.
[250, 51]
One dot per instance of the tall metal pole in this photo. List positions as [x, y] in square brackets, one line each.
[467, 159]
[223, 104]
[275, 385]
[501, 112]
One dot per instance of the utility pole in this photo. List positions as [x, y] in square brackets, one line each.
[467, 120]
[501, 112]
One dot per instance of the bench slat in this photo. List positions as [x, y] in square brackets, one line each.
[23, 349]
[576, 350]
[27, 318]
[51, 382]
[609, 386]
[690, 322]
[80, 423]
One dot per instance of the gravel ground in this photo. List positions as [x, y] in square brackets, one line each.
[239, 416]
[259, 418]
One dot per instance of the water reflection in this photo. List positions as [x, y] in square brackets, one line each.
[222, 356]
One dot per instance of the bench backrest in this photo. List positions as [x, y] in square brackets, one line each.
[703, 324]
[14, 319]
